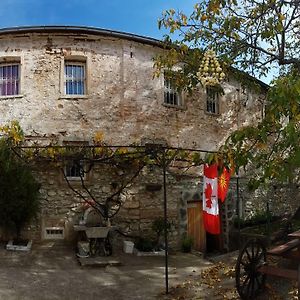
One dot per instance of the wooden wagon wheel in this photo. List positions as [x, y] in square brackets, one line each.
[249, 281]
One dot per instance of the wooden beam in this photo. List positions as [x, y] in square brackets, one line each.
[279, 272]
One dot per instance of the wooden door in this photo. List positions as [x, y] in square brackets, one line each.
[195, 225]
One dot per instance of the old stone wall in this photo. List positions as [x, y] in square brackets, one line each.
[283, 199]
[62, 208]
[123, 100]
[125, 103]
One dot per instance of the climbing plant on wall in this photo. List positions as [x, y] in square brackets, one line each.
[125, 163]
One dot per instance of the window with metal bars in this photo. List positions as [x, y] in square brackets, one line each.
[54, 233]
[9, 79]
[171, 94]
[74, 170]
[75, 81]
[212, 101]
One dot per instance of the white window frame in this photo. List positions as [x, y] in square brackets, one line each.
[172, 97]
[12, 63]
[76, 59]
[212, 103]
[81, 79]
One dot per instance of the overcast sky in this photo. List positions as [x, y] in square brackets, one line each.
[132, 16]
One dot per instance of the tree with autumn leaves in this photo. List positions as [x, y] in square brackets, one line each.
[258, 37]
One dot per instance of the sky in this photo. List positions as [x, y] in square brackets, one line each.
[131, 16]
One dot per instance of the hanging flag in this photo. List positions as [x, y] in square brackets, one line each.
[210, 199]
[223, 184]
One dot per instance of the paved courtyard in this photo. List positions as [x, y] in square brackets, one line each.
[51, 271]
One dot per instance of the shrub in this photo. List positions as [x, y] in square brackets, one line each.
[144, 244]
[258, 218]
[158, 227]
[19, 197]
[186, 244]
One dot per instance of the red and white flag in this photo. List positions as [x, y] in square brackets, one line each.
[210, 199]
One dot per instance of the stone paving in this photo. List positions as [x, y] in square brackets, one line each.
[51, 271]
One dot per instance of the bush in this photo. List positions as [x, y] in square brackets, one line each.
[19, 201]
[257, 219]
[158, 227]
[186, 244]
[144, 244]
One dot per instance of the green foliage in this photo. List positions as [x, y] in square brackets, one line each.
[158, 226]
[249, 35]
[295, 225]
[19, 197]
[270, 148]
[13, 133]
[144, 244]
[255, 37]
[153, 242]
[258, 218]
[186, 244]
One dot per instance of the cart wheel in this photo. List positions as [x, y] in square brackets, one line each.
[249, 281]
[94, 246]
[107, 247]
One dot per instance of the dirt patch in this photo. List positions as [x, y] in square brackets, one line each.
[218, 282]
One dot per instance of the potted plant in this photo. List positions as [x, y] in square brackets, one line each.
[186, 244]
[153, 245]
[158, 227]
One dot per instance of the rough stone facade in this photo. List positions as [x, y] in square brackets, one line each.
[122, 101]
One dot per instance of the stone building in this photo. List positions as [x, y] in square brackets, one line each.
[64, 84]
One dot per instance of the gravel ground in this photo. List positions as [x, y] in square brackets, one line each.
[51, 271]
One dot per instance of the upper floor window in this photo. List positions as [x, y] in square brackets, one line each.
[212, 101]
[171, 94]
[75, 79]
[9, 79]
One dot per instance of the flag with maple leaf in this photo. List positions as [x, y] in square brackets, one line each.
[210, 199]
[223, 184]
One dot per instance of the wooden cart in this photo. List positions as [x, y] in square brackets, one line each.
[252, 268]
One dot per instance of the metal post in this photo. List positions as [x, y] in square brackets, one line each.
[268, 223]
[238, 208]
[298, 285]
[165, 223]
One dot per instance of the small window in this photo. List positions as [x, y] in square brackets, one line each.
[54, 233]
[75, 170]
[171, 94]
[212, 101]
[9, 79]
[75, 79]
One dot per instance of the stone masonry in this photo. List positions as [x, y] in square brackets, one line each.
[122, 101]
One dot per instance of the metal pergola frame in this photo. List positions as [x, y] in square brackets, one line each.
[154, 149]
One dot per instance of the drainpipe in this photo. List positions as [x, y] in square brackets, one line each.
[238, 106]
